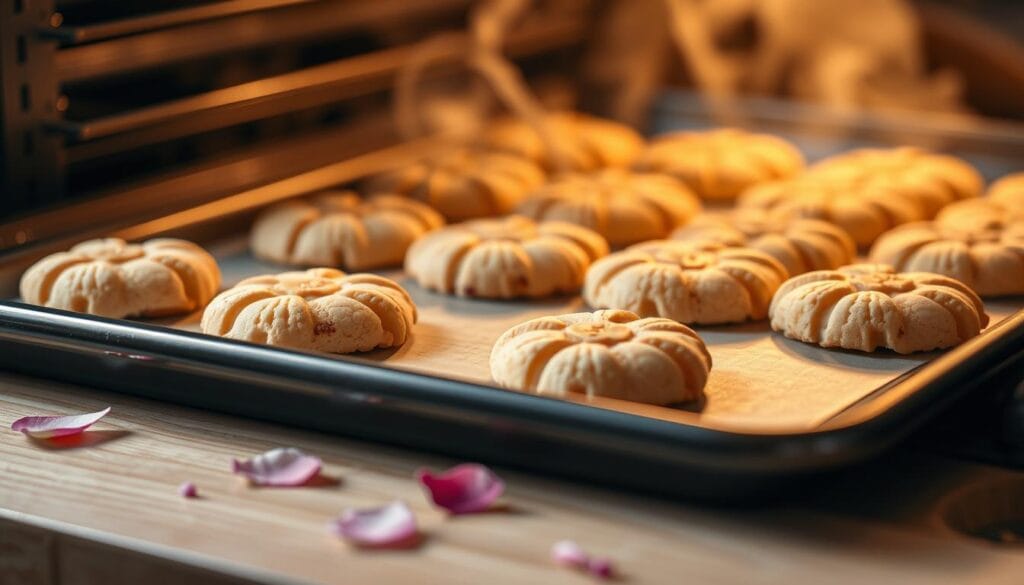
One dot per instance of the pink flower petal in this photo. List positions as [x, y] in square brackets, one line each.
[188, 490]
[278, 467]
[601, 567]
[390, 525]
[49, 427]
[569, 554]
[463, 489]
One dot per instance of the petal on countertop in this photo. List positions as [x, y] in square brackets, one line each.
[283, 467]
[49, 427]
[463, 489]
[569, 554]
[188, 490]
[387, 526]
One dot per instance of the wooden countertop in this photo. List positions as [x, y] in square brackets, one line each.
[105, 509]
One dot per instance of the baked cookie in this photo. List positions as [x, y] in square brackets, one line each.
[113, 278]
[867, 306]
[505, 258]
[720, 164]
[701, 282]
[622, 206]
[928, 179]
[864, 214]
[1009, 192]
[587, 143]
[982, 214]
[340, 229]
[985, 253]
[605, 353]
[320, 309]
[464, 184]
[801, 245]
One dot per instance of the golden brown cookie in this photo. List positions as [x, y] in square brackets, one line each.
[622, 206]
[868, 306]
[340, 229]
[722, 163]
[320, 309]
[1009, 192]
[586, 143]
[985, 252]
[801, 245]
[688, 282]
[505, 258]
[464, 184]
[606, 353]
[113, 278]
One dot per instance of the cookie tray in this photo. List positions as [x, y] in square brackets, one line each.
[776, 409]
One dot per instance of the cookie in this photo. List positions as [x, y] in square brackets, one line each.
[321, 309]
[688, 282]
[113, 278]
[721, 164]
[586, 143]
[871, 306]
[505, 258]
[985, 252]
[1009, 192]
[622, 206]
[340, 229]
[606, 353]
[464, 184]
[801, 245]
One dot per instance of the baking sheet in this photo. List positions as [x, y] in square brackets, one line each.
[760, 381]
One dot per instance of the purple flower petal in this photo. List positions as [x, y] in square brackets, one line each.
[387, 526]
[278, 467]
[601, 567]
[463, 489]
[188, 490]
[569, 554]
[49, 427]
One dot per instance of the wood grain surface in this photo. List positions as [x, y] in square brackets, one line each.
[63, 506]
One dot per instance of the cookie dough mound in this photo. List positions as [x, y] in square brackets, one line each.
[801, 245]
[340, 229]
[320, 309]
[985, 253]
[720, 164]
[586, 143]
[1009, 192]
[464, 184]
[868, 306]
[113, 278]
[688, 282]
[622, 206]
[929, 180]
[505, 258]
[864, 214]
[605, 353]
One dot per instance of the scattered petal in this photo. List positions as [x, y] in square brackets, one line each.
[569, 554]
[49, 427]
[188, 490]
[600, 567]
[278, 467]
[463, 489]
[390, 525]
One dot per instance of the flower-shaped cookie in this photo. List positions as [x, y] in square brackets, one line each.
[340, 229]
[801, 245]
[720, 164]
[622, 206]
[689, 282]
[984, 252]
[1009, 192]
[863, 214]
[505, 258]
[319, 309]
[112, 278]
[585, 143]
[605, 353]
[867, 306]
[930, 180]
[464, 184]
